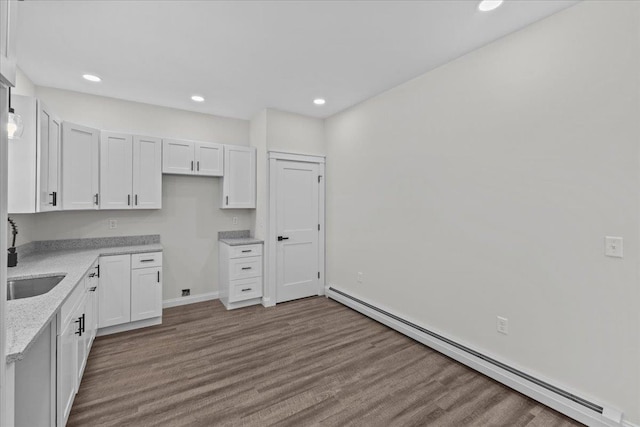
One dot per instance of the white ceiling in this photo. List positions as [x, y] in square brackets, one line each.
[243, 56]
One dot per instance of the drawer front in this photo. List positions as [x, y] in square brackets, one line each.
[244, 289]
[244, 268]
[152, 259]
[245, 251]
[69, 305]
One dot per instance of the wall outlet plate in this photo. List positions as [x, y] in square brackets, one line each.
[360, 277]
[113, 223]
[613, 246]
[502, 325]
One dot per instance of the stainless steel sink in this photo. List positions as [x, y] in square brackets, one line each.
[25, 288]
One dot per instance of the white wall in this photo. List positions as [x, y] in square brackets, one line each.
[190, 217]
[258, 139]
[486, 187]
[295, 133]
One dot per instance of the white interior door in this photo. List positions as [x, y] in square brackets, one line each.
[297, 224]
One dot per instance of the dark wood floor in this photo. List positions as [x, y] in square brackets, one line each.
[306, 362]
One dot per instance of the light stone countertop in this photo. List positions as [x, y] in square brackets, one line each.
[26, 318]
[238, 241]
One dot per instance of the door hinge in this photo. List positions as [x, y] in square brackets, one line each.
[318, 227]
[318, 274]
[319, 178]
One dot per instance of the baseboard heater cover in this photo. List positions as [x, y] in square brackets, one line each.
[560, 392]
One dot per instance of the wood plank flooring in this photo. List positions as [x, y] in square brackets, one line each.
[303, 363]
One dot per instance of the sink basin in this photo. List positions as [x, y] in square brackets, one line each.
[25, 288]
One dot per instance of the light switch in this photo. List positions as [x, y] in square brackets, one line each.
[613, 246]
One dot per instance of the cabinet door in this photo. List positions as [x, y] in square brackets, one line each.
[114, 290]
[67, 369]
[239, 182]
[80, 163]
[116, 171]
[80, 320]
[146, 293]
[178, 157]
[209, 158]
[147, 173]
[50, 130]
[8, 32]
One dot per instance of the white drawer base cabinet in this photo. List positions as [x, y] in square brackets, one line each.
[240, 274]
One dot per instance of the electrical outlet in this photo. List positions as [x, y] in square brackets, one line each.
[360, 277]
[113, 223]
[235, 220]
[613, 246]
[502, 325]
[186, 292]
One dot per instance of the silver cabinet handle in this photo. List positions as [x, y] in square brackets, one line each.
[246, 289]
[246, 268]
[248, 250]
[147, 260]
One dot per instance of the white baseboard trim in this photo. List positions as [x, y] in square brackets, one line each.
[547, 397]
[129, 326]
[191, 299]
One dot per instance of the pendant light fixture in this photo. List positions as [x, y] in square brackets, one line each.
[14, 125]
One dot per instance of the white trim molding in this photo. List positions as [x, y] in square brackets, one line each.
[270, 280]
[191, 299]
[572, 409]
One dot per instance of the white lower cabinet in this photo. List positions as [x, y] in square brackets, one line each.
[115, 290]
[240, 274]
[130, 288]
[73, 344]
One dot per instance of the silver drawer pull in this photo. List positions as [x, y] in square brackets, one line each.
[147, 260]
[246, 268]
[248, 250]
[246, 289]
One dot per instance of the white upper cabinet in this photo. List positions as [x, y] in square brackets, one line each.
[209, 159]
[130, 172]
[147, 173]
[80, 167]
[8, 27]
[239, 182]
[50, 133]
[192, 158]
[116, 171]
[34, 159]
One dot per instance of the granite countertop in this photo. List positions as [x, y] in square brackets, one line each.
[238, 241]
[237, 238]
[26, 318]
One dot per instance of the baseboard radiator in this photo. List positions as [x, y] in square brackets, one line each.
[561, 400]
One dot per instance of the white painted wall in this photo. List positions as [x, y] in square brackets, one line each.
[486, 187]
[258, 139]
[190, 217]
[295, 133]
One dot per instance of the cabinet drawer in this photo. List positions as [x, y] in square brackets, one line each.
[245, 251]
[244, 268]
[153, 259]
[244, 289]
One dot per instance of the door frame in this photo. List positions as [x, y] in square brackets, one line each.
[270, 284]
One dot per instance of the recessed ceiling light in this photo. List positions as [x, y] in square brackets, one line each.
[319, 101]
[197, 98]
[489, 5]
[92, 78]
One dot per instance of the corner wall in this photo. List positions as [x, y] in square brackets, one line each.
[486, 187]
